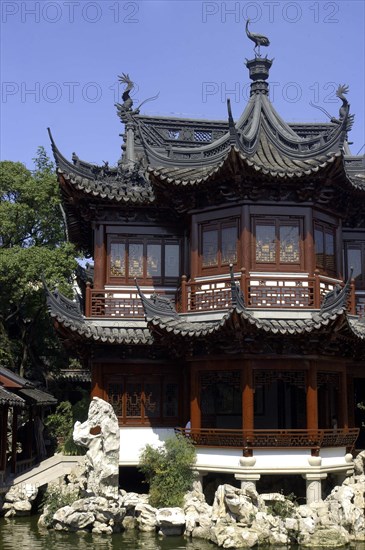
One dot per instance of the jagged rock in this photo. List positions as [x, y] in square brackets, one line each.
[307, 525]
[359, 464]
[347, 506]
[331, 537]
[101, 528]
[18, 500]
[146, 517]
[72, 520]
[129, 522]
[100, 434]
[239, 504]
[270, 529]
[171, 521]
[198, 515]
[130, 500]
[233, 536]
[305, 511]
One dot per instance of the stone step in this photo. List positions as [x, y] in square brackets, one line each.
[47, 471]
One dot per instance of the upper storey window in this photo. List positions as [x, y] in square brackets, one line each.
[355, 259]
[149, 260]
[324, 239]
[218, 245]
[277, 243]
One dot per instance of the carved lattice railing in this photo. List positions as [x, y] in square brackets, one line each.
[260, 291]
[249, 440]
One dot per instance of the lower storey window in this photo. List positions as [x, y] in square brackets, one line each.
[144, 399]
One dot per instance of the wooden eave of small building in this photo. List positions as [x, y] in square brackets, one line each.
[24, 389]
[10, 399]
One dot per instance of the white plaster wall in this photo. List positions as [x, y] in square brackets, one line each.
[218, 458]
[132, 441]
[281, 458]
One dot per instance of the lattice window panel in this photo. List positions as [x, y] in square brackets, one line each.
[360, 305]
[173, 133]
[328, 378]
[134, 400]
[171, 399]
[115, 397]
[152, 399]
[220, 392]
[268, 377]
[203, 136]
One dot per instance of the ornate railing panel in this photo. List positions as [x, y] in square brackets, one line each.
[281, 292]
[120, 305]
[270, 439]
[260, 291]
[209, 295]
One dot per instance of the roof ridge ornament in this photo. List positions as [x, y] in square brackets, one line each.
[124, 110]
[156, 305]
[259, 39]
[238, 299]
[337, 298]
[344, 116]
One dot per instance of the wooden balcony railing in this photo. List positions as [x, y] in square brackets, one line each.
[260, 291]
[249, 440]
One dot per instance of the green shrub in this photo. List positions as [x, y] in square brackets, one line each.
[169, 471]
[283, 508]
[55, 498]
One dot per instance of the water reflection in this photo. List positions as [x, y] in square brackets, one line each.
[24, 533]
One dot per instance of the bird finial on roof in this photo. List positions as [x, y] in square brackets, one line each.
[259, 39]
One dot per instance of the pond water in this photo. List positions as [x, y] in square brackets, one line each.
[23, 533]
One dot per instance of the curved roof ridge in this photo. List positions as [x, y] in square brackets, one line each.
[70, 167]
[254, 127]
[188, 155]
[274, 117]
[288, 142]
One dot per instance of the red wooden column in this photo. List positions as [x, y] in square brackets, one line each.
[343, 420]
[99, 257]
[97, 389]
[312, 397]
[247, 396]
[14, 431]
[195, 412]
[3, 435]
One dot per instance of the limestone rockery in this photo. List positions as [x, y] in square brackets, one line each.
[238, 518]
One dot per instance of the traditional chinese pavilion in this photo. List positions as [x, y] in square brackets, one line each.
[228, 288]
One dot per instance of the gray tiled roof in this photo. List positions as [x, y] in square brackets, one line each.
[112, 331]
[38, 397]
[10, 399]
[248, 323]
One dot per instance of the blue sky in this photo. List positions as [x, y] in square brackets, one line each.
[60, 60]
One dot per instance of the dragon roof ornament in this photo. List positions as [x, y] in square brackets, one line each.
[124, 110]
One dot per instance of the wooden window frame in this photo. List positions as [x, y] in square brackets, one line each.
[277, 222]
[218, 225]
[144, 420]
[145, 241]
[325, 229]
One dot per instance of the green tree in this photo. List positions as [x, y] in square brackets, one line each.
[169, 470]
[61, 424]
[32, 244]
